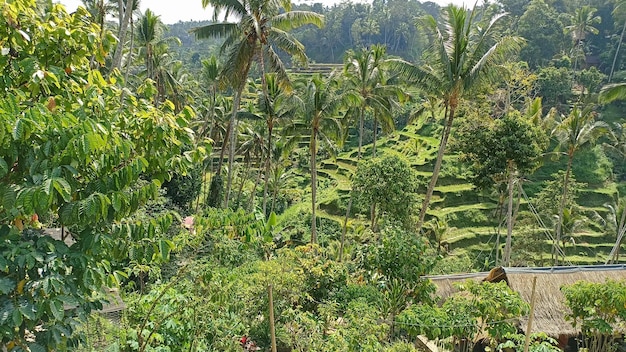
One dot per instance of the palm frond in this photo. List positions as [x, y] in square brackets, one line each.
[612, 92]
[295, 19]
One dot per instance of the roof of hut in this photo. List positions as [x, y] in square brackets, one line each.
[550, 308]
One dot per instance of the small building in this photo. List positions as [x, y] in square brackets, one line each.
[550, 308]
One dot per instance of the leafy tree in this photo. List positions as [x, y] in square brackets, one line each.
[543, 30]
[465, 52]
[598, 308]
[388, 184]
[501, 151]
[478, 308]
[582, 23]
[554, 85]
[73, 153]
[263, 26]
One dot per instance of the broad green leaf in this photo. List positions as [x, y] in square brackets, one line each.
[35, 347]
[4, 168]
[63, 188]
[56, 308]
[6, 309]
[6, 285]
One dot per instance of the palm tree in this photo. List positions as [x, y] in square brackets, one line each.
[320, 103]
[583, 21]
[612, 92]
[277, 106]
[363, 70]
[465, 52]
[575, 131]
[262, 26]
[154, 49]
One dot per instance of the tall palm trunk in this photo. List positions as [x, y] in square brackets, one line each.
[375, 136]
[268, 161]
[509, 216]
[270, 127]
[361, 129]
[245, 174]
[124, 20]
[619, 45]
[559, 224]
[132, 47]
[253, 193]
[450, 109]
[313, 150]
[344, 230]
[232, 144]
[274, 195]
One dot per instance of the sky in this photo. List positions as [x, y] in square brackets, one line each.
[172, 11]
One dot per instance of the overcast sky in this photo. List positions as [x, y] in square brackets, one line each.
[172, 11]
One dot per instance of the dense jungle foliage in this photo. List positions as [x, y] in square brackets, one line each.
[284, 176]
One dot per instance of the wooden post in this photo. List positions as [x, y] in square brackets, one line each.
[272, 328]
[530, 315]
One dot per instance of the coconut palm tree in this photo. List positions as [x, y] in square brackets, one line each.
[320, 103]
[364, 73]
[465, 51]
[583, 21]
[277, 105]
[577, 130]
[262, 27]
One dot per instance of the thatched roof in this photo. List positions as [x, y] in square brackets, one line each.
[550, 308]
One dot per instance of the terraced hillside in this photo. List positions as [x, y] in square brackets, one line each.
[472, 216]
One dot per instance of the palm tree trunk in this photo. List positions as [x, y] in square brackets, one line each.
[268, 161]
[313, 150]
[232, 144]
[274, 195]
[124, 20]
[132, 46]
[509, 217]
[253, 193]
[619, 45]
[361, 128]
[559, 224]
[433, 180]
[243, 180]
[223, 149]
[375, 132]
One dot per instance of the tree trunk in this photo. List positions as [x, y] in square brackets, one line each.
[559, 224]
[274, 195]
[253, 194]
[375, 132]
[124, 20]
[232, 144]
[433, 180]
[619, 45]
[509, 216]
[313, 150]
[361, 128]
[243, 180]
[132, 46]
[268, 162]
